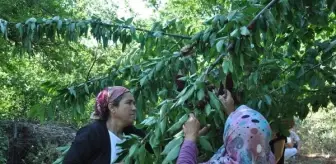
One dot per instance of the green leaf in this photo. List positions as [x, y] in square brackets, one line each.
[212, 39]
[235, 16]
[86, 89]
[244, 31]
[183, 92]
[158, 34]
[172, 154]
[215, 103]
[123, 48]
[159, 66]
[227, 66]
[72, 91]
[186, 96]
[133, 149]
[197, 36]
[260, 103]
[129, 21]
[143, 80]
[63, 148]
[200, 94]
[163, 110]
[230, 65]
[59, 24]
[163, 93]
[222, 20]
[149, 121]
[237, 46]
[206, 36]
[32, 26]
[59, 160]
[3, 26]
[171, 145]
[142, 154]
[219, 46]
[178, 124]
[300, 72]
[255, 78]
[268, 99]
[140, 105]
[215, 21]
[208, 109]
[200, 83]
[116, 36]
[205, 144]
[235, 33]
[163, 125]
[241, 60]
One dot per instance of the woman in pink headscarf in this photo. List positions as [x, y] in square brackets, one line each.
[96, 143]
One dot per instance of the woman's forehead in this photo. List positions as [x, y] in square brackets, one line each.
[128, 96]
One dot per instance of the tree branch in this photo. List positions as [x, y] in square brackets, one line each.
[269, 5]
[93, 63]
[144, 30]
[124, 26]
[312, 68]
[317, 65]
[231, 45]
[331, 45]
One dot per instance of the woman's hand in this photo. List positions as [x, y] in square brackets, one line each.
[227, 102]
[191, 128]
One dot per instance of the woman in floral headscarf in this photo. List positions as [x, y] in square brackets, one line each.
[96, 143]
[246, 138]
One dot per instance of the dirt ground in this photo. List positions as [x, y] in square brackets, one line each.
[313, 159]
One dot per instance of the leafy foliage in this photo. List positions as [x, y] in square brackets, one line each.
[282, 59]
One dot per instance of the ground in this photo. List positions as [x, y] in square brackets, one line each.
[318, 135]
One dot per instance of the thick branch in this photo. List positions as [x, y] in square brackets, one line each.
[231, 45]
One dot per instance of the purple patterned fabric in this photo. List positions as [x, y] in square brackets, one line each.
[188, 153]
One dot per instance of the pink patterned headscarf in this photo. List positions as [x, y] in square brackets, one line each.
[104, 97]
[246, 139]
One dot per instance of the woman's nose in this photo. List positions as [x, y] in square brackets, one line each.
[133, 107]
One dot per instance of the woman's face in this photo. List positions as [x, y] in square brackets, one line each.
[126, 111]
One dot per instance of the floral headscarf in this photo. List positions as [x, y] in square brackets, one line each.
[246, 139]
[104, 97]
